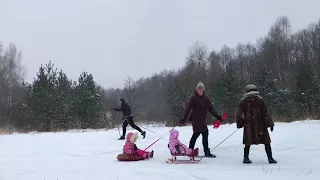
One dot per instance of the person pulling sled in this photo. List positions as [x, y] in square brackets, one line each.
[128, 119]
[253, 115]
[198, 106]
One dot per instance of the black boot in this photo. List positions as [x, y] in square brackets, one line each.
[143, 134]
[246, 159]
[208, 154]
[269, 154]
[121, 138]
[151, 154]
[272, 161]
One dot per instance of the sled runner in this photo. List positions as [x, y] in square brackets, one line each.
[129, 157]
[171, 161]
[192, 160]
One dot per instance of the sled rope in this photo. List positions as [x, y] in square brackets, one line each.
[220, 143]
[225, 139]
[159, 139]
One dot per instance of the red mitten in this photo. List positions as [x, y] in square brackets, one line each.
[216, 124]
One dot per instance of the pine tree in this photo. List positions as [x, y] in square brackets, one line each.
[65, 102]
[88, 102]
[307, 93]
[43, 101]
[177, 99]
[226, 95]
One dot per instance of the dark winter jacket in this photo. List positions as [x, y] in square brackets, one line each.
[199, 105]
[253, 115]
[124, 108]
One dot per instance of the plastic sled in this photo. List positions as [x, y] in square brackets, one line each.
[129, 157]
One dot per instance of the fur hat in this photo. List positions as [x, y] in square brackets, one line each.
[200, 85]
[121, 99]
[250, 88]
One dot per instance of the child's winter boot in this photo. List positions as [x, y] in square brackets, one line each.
[151, 154]
[195, 152]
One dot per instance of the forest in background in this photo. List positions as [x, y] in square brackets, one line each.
[284, 65]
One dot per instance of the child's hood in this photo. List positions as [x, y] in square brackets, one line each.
[174, 134]
[131, 137]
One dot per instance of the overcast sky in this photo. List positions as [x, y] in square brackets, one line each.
[113, 39]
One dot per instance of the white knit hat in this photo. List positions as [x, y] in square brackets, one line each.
[200, 85]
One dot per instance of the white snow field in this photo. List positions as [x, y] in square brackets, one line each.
[91, 155]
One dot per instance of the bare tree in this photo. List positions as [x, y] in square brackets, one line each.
[214, 67]
[280, 41]
[129, 85]
[226, 56]
[11, 74]
[198, 54]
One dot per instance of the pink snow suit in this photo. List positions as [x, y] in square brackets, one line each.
[143, 154]
[130, 148]
[174, 143]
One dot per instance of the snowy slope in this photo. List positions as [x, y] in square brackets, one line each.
[92, 156]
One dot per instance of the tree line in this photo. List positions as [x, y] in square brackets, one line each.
[51, 102]
[284, 65]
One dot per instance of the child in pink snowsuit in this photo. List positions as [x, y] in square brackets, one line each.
[176, 147]
[131, 148]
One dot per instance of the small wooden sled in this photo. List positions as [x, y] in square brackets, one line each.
[174, 160]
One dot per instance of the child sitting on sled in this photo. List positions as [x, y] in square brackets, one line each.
[177, 148]
[130, 147]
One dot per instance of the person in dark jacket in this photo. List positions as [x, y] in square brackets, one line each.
[253, 115]
[128, 119]
[198, 105]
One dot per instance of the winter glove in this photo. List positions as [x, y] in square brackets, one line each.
[240, 124]
[216, 124]
[271, 128]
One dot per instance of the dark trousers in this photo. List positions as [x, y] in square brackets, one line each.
[267, 147]
[194, 138]
[129, 120]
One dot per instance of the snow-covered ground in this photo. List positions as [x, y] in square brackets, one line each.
[77, 155]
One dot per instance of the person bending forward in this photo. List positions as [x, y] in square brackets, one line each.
[128, 119]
